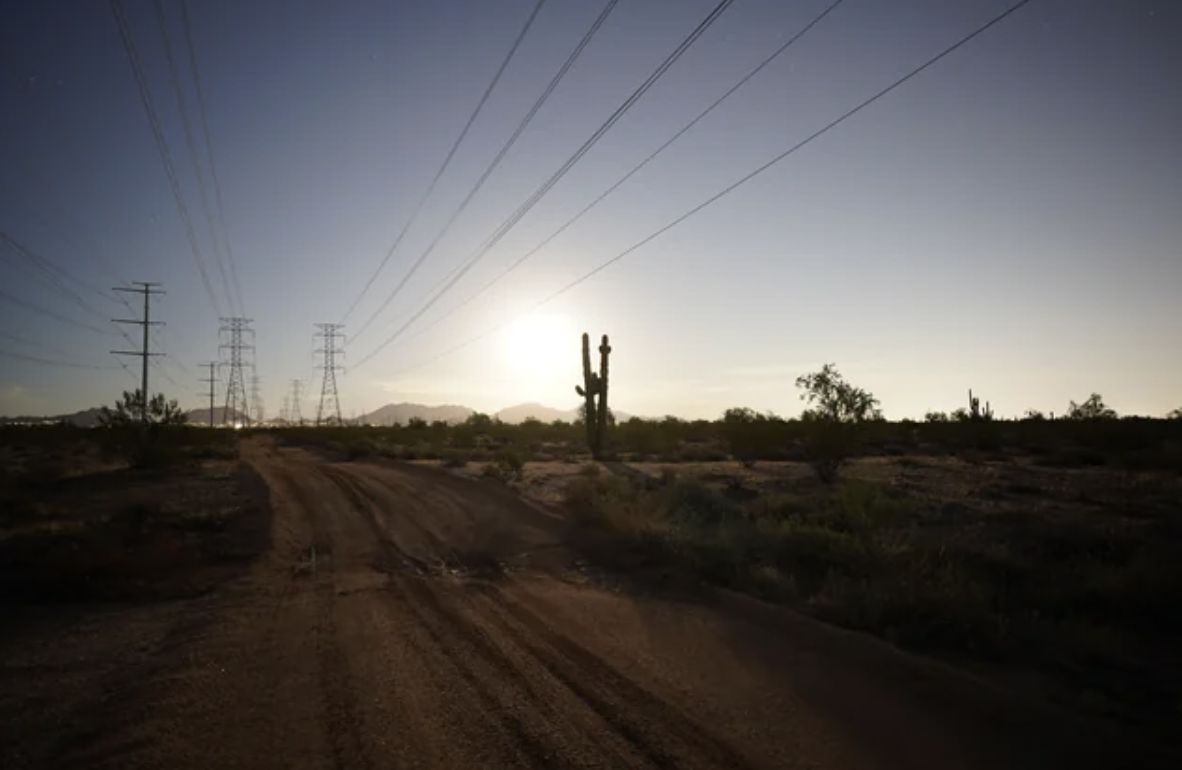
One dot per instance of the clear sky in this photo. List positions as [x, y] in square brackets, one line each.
[1009, 220]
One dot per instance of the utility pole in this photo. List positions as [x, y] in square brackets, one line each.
[212, 383]
[330, 334]
[146, 289]
[238, 329]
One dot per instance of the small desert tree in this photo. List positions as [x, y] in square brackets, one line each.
[1092, 409]
[141, 435]
[833, 406]
[129, 411]
[1175, 415]
[832, 399]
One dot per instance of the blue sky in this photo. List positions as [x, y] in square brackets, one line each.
[1009, 220]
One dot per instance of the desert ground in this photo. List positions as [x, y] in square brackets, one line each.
[279, 605]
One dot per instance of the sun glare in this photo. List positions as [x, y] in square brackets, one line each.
[538, 346]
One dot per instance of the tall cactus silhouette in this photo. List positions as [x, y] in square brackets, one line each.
[594, 391]
[975, 413]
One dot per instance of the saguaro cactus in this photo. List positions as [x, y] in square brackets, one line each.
[601, 413]
[594, 391]
[975, 412]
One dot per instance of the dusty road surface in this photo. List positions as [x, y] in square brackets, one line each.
[405, 618]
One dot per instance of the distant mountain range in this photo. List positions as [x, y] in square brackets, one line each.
[390, 414]
[401, 414]
[89, 418]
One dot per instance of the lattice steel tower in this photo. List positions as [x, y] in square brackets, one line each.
[239, 333]
[330, 334]
[293, 403]
[256, 397]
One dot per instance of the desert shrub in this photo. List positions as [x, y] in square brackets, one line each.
[693, 504]
[359, 449]
[150, 436]
[1093, 408]
[508, 468]
[751, 436]
[602, 499]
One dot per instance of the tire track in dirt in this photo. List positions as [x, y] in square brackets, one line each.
[337, 706]
[670, 741]
[618, 699]
[508, 737]
[423, 601]
[665, 737]
[427, 609]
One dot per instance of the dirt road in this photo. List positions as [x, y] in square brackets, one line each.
[405, 618]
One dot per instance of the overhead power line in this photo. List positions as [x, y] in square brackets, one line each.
[203, 113]
[731, 188]
[33, 344]
[96, 255]
[191, 146]
[446, 162]
[538, 194]
[55, 275]
[178, 197]
[50, 362]
[635, 169]
[496, 161]
[52, 314]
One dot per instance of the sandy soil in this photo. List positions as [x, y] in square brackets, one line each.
[405, 617]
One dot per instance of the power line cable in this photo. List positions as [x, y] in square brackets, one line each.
[732, 187]
[446, 162]
[55, 275]
[49, 269]
[31, 344]
[651, 157]
[213, 168]
[167, 358]
[98, 255]
[538, 194]
[162, 148]
[496, 161]
[170, 338]
[49, 362]
[191, 145]
[52, 314]
[159, 367]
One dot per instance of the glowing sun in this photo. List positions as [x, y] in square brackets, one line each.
[540, 345]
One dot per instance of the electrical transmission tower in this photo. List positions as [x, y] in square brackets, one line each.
[256, 397]
[293, 403]
[239, 331]
[145, 353]
[330, 334]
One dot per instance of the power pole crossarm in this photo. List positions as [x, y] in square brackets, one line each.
[148, 290]
[212, 383]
